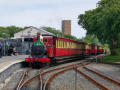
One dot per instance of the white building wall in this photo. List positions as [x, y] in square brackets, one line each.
[30, 32]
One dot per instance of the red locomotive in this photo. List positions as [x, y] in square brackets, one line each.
[56, 47]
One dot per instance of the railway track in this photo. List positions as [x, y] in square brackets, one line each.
[23, 78]
[101, 81]
[46, 77]
[42, 83]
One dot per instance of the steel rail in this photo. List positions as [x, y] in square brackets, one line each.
[47, 83]
[23, 78]
[99, 85]
[41, 79]
[49, 71]
[103, 76]
[25, 81]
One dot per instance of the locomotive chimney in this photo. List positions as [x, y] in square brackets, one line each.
[66, 27]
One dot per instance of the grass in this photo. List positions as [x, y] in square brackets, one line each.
[111, 59]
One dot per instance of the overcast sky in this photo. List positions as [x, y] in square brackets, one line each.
[44, 13]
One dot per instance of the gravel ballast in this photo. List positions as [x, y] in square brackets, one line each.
[66, 81]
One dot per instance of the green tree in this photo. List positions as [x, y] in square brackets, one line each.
[104, 22]
[9, 31]
[91, 39]
[13, 29]
[6, 32]
[58, 33]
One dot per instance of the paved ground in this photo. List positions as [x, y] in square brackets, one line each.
[8, 58]
[7, 61]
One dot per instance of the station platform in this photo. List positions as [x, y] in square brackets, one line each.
[7, 61]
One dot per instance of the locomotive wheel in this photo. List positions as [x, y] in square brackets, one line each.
[53, 62]
[25, 64]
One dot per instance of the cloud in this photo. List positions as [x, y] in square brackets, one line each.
[32, 2]
[44, 13]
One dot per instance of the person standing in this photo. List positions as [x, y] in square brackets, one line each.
[0, 50]
[11, 49]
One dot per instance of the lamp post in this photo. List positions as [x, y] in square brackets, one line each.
[29, 34]
[3, 33]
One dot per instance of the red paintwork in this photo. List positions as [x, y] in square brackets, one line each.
[34, 39]
[93, 50]
[53, 51]
[35, 60]
[87, 51]
[67, 51]
[101, 50]
[49, 45]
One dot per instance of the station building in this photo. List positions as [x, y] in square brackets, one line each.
[24, 38]
[30, 33]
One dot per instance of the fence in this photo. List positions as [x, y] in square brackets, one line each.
[22, 47]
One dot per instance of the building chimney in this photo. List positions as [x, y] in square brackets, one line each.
[66, 27]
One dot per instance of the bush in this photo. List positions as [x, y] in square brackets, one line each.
[111, 59]
[116, 52]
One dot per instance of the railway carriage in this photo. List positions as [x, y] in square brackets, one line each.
[66, 47]
[58, 47]
[93, 49]
[87, 49]
[100, 50]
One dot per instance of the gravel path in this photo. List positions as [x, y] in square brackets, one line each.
[11, 82]
[100, 80]
[34, 85]
[106, 69]
[66, 81]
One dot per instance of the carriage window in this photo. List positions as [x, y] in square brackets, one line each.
[65, 44]
[46, 40]
[56, 44]
[61, 44]
[70, 44]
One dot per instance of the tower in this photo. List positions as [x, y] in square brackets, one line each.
[66, 27]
